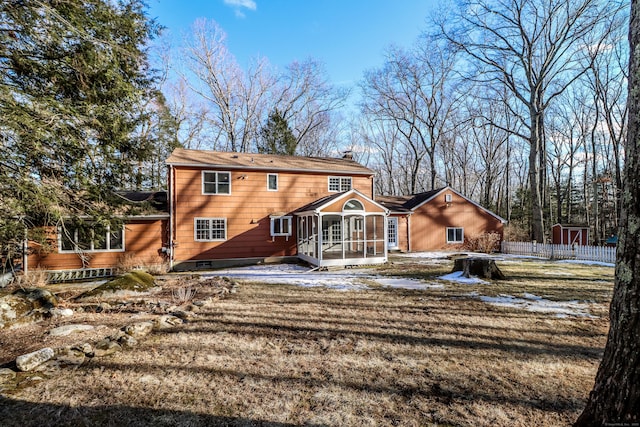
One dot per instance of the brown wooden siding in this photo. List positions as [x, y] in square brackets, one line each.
[144, 240]
[429, 222]
[247, 211]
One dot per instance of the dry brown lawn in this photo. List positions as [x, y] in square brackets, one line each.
[279, 355]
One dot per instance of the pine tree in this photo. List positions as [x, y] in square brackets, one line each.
[73, 75]
[276, 136]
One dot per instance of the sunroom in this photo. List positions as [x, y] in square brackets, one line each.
[343, 229]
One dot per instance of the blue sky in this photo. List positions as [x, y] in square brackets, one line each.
[348, 36]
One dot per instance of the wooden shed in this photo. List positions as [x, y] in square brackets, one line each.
[570, 234]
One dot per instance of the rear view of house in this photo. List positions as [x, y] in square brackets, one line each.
[241, 208]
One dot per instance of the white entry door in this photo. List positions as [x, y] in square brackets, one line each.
[392, 232]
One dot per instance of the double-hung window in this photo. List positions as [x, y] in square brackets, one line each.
[339, 183]
[272, 182]
[455, 235]
[210, 229]
[216, 182]
[281, 226]
[91, 239]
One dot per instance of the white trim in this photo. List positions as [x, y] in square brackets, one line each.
[454, 241]
[340, 184]
[344, 206]
[335, 198]
[275, 218]
[395, 220]
[195, 229]
[217, 183]
[76, 249]
[277, 181]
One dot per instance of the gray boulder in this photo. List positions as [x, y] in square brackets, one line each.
[30, 361]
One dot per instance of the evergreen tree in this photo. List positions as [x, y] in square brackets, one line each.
[73, 77]
[276, 136]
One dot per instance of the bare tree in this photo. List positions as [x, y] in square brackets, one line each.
[307, 101]
[413, 92]
[533, 48]
[237, 101]
[382, 142]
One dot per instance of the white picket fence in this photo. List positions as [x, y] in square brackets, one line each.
[544, 250]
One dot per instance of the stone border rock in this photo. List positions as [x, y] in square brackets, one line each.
[49, 361]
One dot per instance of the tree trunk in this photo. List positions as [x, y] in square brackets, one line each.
[479, 267]
[536, 174]
[615, 398]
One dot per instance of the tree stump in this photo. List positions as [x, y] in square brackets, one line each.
[480, 267]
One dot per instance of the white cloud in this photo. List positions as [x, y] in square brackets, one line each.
[238, 5]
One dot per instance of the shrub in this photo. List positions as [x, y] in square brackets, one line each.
[131, 262]
[184, 294]
[34, 278]
[485, 242]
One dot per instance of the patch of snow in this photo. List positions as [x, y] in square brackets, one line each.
[343, 279]
[538, 304]
[587, 262]
[557, 273]
[406, 283]
[457, 277]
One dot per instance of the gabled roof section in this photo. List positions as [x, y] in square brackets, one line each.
[413, 202]
[407, 203]
[272, 162]
[144, 203]
[323, 202]
[394, 203]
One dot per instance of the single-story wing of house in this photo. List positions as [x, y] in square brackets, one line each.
[436, 220]
[141, 239]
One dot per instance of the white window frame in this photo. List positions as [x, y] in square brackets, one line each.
[392, 230]
[217, 183]
[448, 197]
[461, 235]
[346, 207]
[269, 175]
[279, 219]
[210, 229]
[76, 248]
[344, 183]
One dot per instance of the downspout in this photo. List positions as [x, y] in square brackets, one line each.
[409, 232]
[171, 216]
[373, 187]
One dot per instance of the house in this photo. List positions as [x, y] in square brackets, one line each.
[243, 208]
[225, 209]
[570, 234]
[435, 220]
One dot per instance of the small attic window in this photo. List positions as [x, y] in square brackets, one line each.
[353, 205]
[448, 197]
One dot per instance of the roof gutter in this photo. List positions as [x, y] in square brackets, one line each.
[267, 168]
